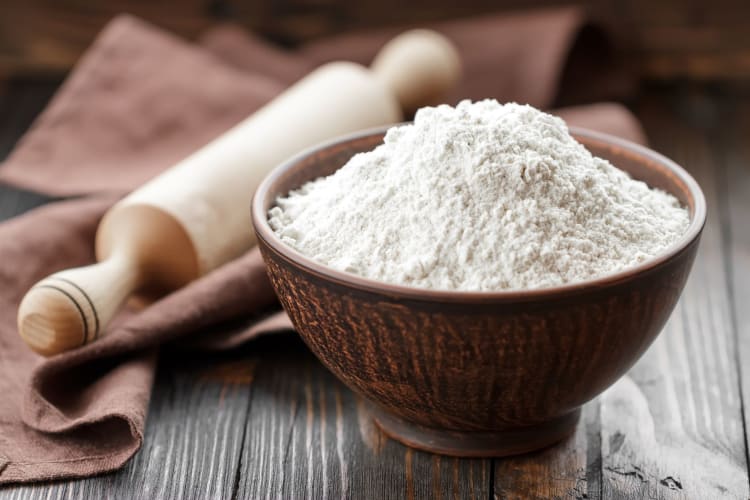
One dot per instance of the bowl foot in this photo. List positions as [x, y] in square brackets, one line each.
[476, 444]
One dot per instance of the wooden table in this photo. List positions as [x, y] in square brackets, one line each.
[270, 421]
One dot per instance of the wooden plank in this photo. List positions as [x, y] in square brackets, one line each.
[734, 143]
[47, 37]
[667, 39]
[721, 64]
[672, 428]
[570, 469]
[192, 443]
[308, 436]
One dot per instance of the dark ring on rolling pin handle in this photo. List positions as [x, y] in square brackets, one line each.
[88, 299]
[80, 311]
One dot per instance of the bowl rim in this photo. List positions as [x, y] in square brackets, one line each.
[265, 233]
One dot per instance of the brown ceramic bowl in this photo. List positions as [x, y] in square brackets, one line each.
[478, 374]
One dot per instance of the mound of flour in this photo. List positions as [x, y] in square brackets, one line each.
[479, 197]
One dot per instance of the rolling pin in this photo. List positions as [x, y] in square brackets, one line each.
[195, 216]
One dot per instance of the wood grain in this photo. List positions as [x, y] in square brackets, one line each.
[308, 436]
[570, 469]
[672, 428]
[736, 207]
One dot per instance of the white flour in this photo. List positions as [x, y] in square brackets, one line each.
[484, 197]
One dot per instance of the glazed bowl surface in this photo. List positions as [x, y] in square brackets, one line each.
[478, 373]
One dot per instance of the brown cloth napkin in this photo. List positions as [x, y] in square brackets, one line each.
[138, 101]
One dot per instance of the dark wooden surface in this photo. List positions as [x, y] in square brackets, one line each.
[700, 39]
[269, 421]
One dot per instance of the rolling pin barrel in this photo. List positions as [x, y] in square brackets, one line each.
[194, 217]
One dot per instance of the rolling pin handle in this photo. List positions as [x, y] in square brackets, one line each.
[419, 67]
[70, 308]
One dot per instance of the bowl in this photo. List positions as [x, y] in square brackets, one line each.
[478, 373]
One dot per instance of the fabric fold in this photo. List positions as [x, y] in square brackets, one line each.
[521, 56]
[139, 101]
[38, 243]
[246, 52]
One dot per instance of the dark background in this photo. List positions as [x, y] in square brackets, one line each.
[664, 39]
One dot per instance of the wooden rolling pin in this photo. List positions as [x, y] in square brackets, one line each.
[195, 216]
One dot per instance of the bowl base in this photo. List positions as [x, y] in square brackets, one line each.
[477, 444]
